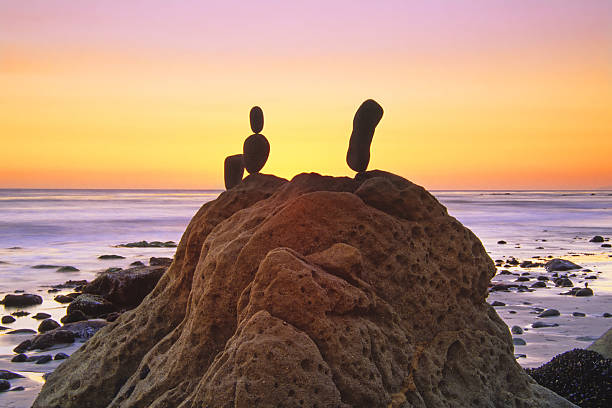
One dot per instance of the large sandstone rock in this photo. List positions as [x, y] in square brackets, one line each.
[328, 292]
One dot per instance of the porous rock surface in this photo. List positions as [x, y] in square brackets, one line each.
[319, 292]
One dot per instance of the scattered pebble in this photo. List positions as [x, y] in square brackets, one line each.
[498, 303]
[578, 314]
[516, 330]
[68, 268]
[111, 257]
[41, 316]
[517, 341]
[19, 358]
[541, 324]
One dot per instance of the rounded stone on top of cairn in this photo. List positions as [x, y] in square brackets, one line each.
[366, 118]
[257, 119]
[233, 170]
[255, 152]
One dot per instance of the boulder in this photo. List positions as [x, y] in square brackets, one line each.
[126, 288]
[25, 299]
[7, 319]
[557, 264]
[91, 305]
[364, 123]
[255, 152]
[233, 170]
[597, 238]
[74, 316]
[320, 291]
[63, 299]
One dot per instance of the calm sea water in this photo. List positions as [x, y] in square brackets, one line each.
[74, 227]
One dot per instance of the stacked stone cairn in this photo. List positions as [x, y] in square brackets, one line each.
[367, 117]
[256, 150]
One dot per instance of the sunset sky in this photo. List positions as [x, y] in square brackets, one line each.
[155, 94]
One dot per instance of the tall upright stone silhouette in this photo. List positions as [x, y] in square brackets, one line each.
[234, 170]
[257, 119]
[256, 148]
[367, 117]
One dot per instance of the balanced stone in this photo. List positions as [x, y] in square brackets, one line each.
[255, 152]
[367, 117]
[233, 170]
[257, 119]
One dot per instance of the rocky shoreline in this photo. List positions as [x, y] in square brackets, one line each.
[89, 306]
[92, 305]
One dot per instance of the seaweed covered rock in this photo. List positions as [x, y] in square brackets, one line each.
[582, 376]
[321, 291]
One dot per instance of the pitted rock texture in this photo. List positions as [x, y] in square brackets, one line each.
[319, 292]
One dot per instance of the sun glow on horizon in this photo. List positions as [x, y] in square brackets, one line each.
[476, 96]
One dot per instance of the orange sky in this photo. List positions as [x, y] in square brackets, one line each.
[494, 97]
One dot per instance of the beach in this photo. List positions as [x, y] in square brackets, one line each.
[75, 227]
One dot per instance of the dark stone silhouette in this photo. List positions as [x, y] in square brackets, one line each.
[234, 169]
[367, 117]
[255, 152]
[257, 119]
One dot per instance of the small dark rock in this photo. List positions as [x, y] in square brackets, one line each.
[522, 279]
[9, 375]
[578, 314]
[111, 257]
[19, 358]
[497, 303]
[255, 152]
[584, 292]
[50, 338]
[538, 284]
[557, 264]
[4, 385]
[154, 261]
[44, 359]
[20, 313]
[597, 238]
[68, 268]
[606, 245]
[137, 263]
[549, 313]
[502, 242]
[516, 330]
[23, 346]
[233, 170]
[365, 121]
[25, 299]
[7, 319]
[75, 316]
[257, 119]
[60, 356]
[606, 314]
[46, 266]
[48, 324]
[63, 299]
[20, 388]
[517, 341]
[563, 282]
[41, 316]
[540, 324]
[22, 331]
